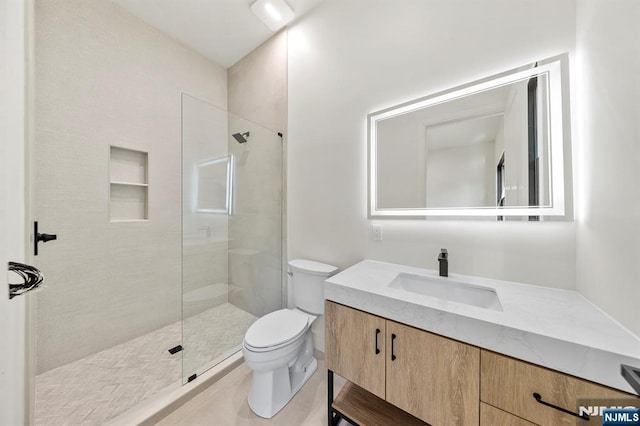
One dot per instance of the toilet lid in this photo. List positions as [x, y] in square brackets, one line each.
[276, 328]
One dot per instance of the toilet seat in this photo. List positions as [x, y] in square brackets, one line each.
[275, 330]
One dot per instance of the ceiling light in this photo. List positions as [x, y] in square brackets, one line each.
[275, 14]
[272, 12]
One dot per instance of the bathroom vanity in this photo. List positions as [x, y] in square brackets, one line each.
[416, 355]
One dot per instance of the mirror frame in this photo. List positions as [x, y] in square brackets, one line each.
[228, 161]
[553, 68]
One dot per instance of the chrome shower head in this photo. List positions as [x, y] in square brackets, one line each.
[241, 137]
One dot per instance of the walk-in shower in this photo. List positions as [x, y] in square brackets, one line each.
[169, 232]
[230, 276]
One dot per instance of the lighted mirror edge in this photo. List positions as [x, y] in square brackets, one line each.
[466, 89]
[229, 160]
[484, 212]
[553, 66]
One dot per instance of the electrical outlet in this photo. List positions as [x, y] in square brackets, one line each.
[377, 232]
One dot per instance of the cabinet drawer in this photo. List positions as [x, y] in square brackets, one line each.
[492, 416]
[509, 384]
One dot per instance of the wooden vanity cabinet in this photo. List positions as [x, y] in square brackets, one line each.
[431, 377]
[415, 377]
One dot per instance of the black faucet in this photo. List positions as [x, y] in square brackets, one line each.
[443, 260]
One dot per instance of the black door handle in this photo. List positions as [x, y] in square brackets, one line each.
[393, 355]
[37, 237]
[538, 398]
[46, 237]
[377, 349]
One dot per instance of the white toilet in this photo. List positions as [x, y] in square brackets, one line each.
[279, 346]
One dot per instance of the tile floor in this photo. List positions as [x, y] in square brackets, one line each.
[102, 386]
[225, 403]
[213, 335]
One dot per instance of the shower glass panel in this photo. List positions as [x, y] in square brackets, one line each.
[231, 251]
[255, 225]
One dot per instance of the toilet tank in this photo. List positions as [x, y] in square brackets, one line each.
[307, 283]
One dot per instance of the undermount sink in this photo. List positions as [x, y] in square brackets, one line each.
[448, 289]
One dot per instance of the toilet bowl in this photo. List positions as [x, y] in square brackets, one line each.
[278, 347]
[279, 369]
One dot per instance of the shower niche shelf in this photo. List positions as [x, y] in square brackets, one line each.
[128, 185]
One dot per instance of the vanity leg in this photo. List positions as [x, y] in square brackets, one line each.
[329, 397]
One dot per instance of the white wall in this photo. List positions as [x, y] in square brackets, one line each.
[12, 209]
[105, 77]
[350, 58]
[608, 145]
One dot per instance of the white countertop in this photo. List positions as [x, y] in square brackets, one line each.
[558, 329]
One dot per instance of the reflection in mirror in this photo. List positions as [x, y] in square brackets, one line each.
[459, 160]
[214, 185]
[491, 148]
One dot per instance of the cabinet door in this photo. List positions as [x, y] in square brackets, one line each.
[509, 384]
[434, 378]
[351, 349]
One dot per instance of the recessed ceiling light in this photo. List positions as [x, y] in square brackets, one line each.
[275, 14]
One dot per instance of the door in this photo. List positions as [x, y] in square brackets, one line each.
[355, 347]
[434, 378]
[13, 400]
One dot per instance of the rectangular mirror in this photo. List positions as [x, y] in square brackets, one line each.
[489, 148]
[214, 185]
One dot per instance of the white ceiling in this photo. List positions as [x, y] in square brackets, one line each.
[222, 30]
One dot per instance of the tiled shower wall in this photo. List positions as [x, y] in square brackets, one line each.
[258, 103]
[103, 78]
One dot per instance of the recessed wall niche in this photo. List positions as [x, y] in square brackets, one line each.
[128, 184]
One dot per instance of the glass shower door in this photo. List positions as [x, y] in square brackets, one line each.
[232, 251]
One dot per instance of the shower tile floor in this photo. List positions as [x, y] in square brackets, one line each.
[99, 387]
